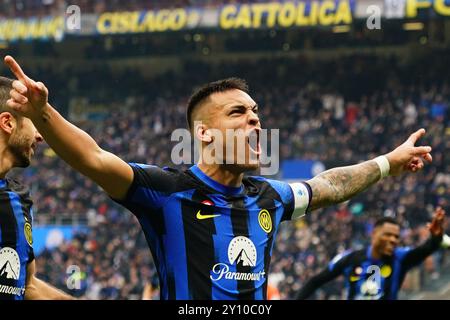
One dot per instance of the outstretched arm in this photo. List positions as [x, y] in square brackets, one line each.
[420, 253]
[73, 145]
[340, 184]
[333, 270]
[37, 289]
[315, 283]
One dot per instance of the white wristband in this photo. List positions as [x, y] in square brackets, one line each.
[383, 163]
[445, 241]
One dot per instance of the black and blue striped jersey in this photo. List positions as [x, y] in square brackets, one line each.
[211, 241]
[16, 240]
[370, 279]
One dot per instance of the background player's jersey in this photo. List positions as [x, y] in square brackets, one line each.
[15, 239]
[210, 241]
[370, 279]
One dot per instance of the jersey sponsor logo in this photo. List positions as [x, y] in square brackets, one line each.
[17, 291]
[222, 270]
[371, 287]
[201, 216]
[241, 252]
[370, 290]
[28, 233]
[10, 269]
[9, 264]
[265, 221]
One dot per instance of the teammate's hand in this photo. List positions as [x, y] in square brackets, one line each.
[28, 97]
[408, 157]
[436, 226]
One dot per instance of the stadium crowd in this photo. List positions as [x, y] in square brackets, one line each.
[339, 112]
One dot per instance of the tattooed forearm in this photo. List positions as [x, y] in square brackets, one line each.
[340, 184]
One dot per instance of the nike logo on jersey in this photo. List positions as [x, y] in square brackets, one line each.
[201, 216]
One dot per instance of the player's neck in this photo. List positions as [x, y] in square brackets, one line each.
[375, 254]
[222, 175]
[6, 163]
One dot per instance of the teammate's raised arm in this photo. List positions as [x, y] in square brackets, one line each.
[73, 145]
[340, 184]
[326, 275]
[436, 227]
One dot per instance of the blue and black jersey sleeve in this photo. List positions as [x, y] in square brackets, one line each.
[150, 188]
[295, 197]
[335, 268]
[413, 257]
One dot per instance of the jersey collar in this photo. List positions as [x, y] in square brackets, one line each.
[214, 184]
[369, 256]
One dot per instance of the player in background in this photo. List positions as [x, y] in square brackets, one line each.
[377, 271]
[18, 140]
[210, 229]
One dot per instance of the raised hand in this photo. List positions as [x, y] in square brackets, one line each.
[28, 97]
[436, 226]
[408, 157]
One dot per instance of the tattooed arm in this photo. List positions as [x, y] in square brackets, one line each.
[340, 184]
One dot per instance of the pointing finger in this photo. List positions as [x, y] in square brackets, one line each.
[16, 69]
[416, 135]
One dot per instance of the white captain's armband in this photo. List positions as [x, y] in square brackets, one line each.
[302, 198]
[383, 164]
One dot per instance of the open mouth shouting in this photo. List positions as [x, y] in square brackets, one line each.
[253, 140]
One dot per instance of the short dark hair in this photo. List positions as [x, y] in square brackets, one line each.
[5, 88]
[384, 220]
[208, 89]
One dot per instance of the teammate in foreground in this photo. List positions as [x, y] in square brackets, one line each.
[210, 229]
[377, 271]
[18, 140]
